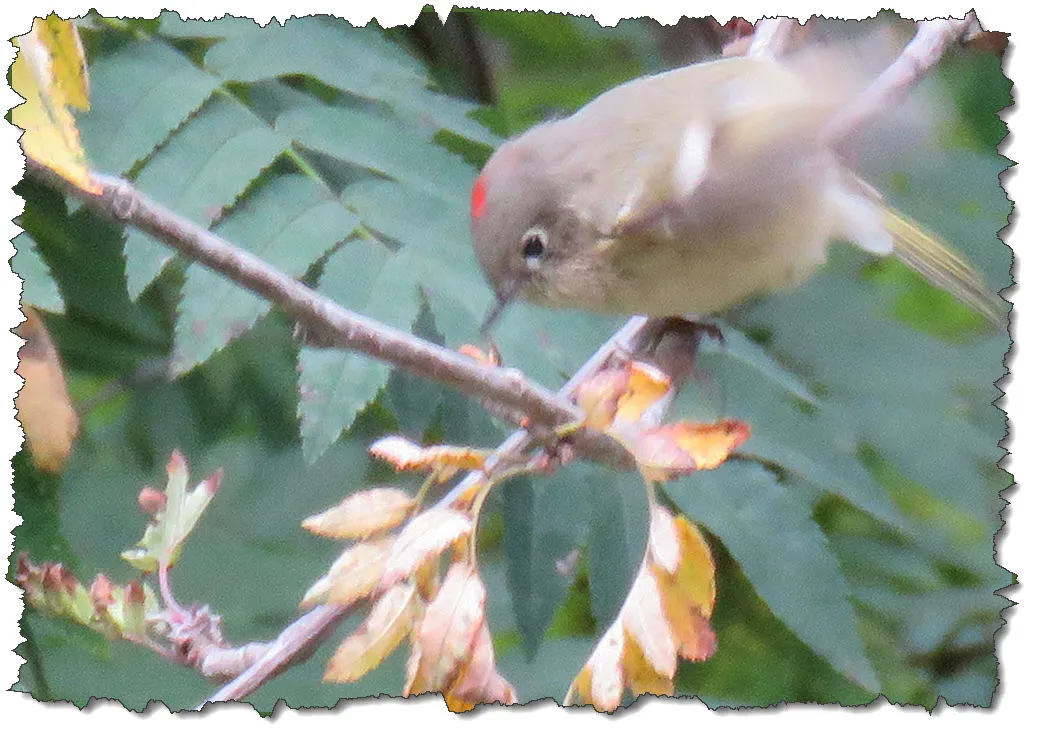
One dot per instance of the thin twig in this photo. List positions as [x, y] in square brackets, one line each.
[326, 322]
[932, 40]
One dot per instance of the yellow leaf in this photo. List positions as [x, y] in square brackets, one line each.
[46, 73]
[644, 620]
[68, 61]
[388, 623]
[640, 676]
[43, 405]
[362, 514]
[353, 575]
[664, 547]
[449, 627]
[696, 570]
[691, 630]
[646, 385]
[426, 536]
[688, 595]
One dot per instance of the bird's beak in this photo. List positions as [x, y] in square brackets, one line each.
[505, 297]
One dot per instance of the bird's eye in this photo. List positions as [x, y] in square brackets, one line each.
[534, 247]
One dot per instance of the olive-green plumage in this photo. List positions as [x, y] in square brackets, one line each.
[688, 192]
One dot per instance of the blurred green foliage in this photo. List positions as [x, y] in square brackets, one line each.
[858, 558]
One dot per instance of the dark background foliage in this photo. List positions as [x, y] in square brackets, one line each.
[855, 552]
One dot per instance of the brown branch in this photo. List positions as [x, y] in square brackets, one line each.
[326, 322]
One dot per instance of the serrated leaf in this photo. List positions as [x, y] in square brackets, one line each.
[141, 93]
[336, 385]
[355, 60]
[809, 445]
[49, 72]
[289, 224]
[770, 531]
[38, 286]
[207, 163]
[378, 141]
[738, 347]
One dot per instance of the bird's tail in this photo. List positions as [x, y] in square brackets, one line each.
[942, 266]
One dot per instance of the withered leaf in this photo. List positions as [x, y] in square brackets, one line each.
[426, 536]
[389, 621]
[663, 538]
[362, 514]
[644, 621]
[639, 674]
[449, 627]
[352, 576]
[667, 452]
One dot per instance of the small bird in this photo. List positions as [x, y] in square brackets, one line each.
[689, 192]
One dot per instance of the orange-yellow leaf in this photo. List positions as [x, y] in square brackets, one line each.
[688, 595]
[640, 676]
[43, 405]
[362, 514]
[489, 359]
[696, 569]
[646, 386]
[692, 632]
[426, 536]
[599, 395]
[390, 620]
[50, 73]
[449, 626]
[644, 621]
[479, 680]
[667, 452]
[664, 547]
[353, 575]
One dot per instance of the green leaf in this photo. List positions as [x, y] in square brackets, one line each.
[770, 531]
[335, 385]
[358, 61]
[38, 286]
[616, 541]
[289, 224]
[160, 546]
[546, 521]
[139, 95]
[783, 432]
[199, 173]
[738, 347]
[379, 141]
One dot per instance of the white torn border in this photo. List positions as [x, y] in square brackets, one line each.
[428, 717]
